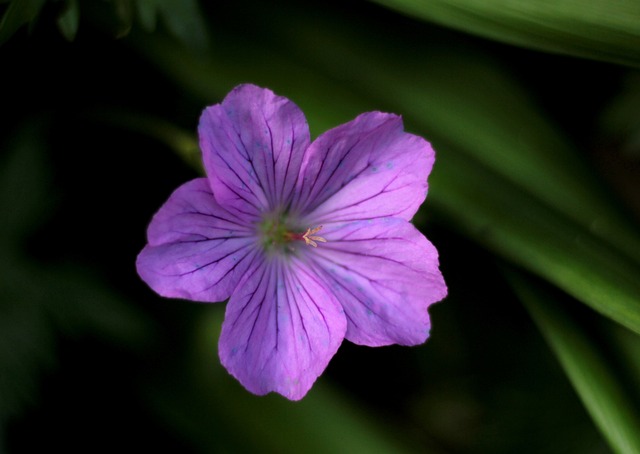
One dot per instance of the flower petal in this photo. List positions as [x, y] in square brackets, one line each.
[385, 274]
[281, 329]
[196, 250]
[367, 168]
[252, 145]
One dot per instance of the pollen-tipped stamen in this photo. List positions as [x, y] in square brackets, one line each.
[310, 239]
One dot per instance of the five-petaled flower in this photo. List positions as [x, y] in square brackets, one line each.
[310, 241]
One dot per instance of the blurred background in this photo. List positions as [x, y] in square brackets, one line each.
[534, 111]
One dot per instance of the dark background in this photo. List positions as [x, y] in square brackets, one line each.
[92, 360]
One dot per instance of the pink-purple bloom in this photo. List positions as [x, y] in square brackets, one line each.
[310, 241]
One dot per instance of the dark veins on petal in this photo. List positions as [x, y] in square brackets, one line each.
[301, 288]
[330, 176]
[366, 199]
[256, 310]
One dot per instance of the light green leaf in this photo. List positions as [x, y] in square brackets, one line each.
[18, 13]
[495, 159]
[597, 29]
[69, 19]
[587, 369]
[516, 226]
[460, 96]
[504, 175]
[184, 20]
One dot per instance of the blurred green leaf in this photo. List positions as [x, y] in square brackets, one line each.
[209, 77]
[18, 13]
[24, 196]
[535, 185]
[503, 175]
[185, 21]
[516, 226]
[69, 19]
[591, 376]
[460, 96]
[27, 347]
[114, 17]
[597, 29]
[147, 13]
[80, 304]
[39, 302]
[123, 17]
[621, 120]
[627, 345]
[183, 143]
[215, 412]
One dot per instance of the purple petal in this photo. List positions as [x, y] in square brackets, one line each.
[281, 329]
[252, 145]
[367, 168]
[196, 250]
[385, 274]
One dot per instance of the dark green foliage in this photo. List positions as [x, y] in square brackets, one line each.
[536, 179]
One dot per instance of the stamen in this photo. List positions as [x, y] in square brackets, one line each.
[310, 239]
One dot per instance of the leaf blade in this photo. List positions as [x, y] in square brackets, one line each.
[589, 373]
[599, 30]
[18, 13]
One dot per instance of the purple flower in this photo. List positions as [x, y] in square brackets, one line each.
[310, 241]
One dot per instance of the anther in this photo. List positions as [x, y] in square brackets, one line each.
[310, 239]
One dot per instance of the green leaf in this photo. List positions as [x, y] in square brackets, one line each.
[620, 121]
[38, 302]
[210, 77]
[183, 143]
[627, 346]
[24, 193]
[69, 19]
[589, 373]
[122, 17]
[460, 96]
[504, 175]
[497, 214]
[184, 20]
[324, 421]
[492, 179]
[596, 29]
[27, 342]
[18, 13]
[147, 13]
